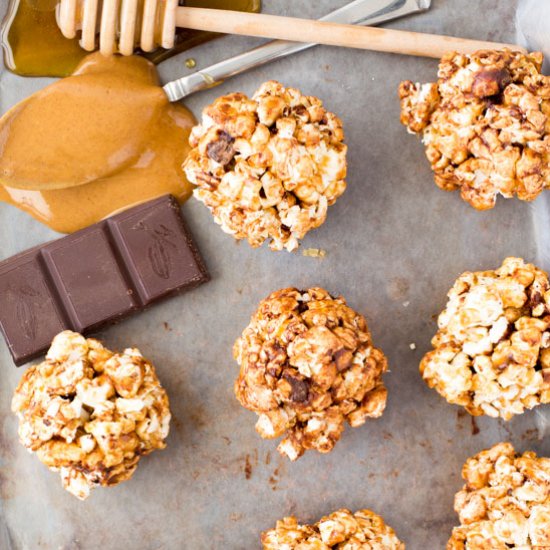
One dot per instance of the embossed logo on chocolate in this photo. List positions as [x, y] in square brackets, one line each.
[25, 312]
[158, 252]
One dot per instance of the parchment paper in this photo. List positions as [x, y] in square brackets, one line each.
[394, 243]
[533, 26]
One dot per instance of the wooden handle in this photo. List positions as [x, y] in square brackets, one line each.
[152, 22]
[332, 34]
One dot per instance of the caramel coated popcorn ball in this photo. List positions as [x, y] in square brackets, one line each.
[492, 350]
[90, 413]
[341, 530]
[270, 166]
[485, 124]
[505, 502]
[307, 365]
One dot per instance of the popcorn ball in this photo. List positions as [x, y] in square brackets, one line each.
[90, 413]
[270, 166]
[492, 350]
[485, 124]
[307, 365]
[341, 529]
[505, 502]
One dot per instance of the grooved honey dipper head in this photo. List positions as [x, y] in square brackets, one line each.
[122, 25]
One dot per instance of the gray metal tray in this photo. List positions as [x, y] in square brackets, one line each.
[394, 244]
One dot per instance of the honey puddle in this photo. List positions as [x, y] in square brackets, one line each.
[34, 46]
[87, 146]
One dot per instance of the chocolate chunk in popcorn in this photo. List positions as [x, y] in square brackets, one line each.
[490, 82]
[91, 414]
[492, 350]
[505, 502]
[268, 167]
[307, 366]
[485, 125]
[340, 530]
[221, 149]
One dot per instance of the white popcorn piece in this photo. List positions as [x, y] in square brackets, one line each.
[268, 167]
[488, 353]
[485, 124]
[308, 366]
[340, 530]
[505, 502]
[82, 411]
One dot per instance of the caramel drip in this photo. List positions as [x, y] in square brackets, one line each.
[94, 143]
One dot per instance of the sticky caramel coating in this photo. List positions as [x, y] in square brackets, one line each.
[268, 167]
[505, 502]
[342, 530]
[485, 125]
[89, 413]
[308, 365]
[492, 350]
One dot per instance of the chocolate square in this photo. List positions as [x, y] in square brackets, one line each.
[148, 241]
[29, 316]
[96, 276]
[86, 274]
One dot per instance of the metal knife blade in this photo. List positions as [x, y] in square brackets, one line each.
[370, 12]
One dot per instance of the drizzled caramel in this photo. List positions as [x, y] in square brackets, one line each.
[94, 143]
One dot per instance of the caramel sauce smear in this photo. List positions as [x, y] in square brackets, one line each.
[92, 144]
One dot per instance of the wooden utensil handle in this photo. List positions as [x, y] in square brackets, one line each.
[333, 34]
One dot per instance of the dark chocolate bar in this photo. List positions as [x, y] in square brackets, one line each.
[96, 276]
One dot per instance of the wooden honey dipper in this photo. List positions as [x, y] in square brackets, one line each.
[152, 23]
